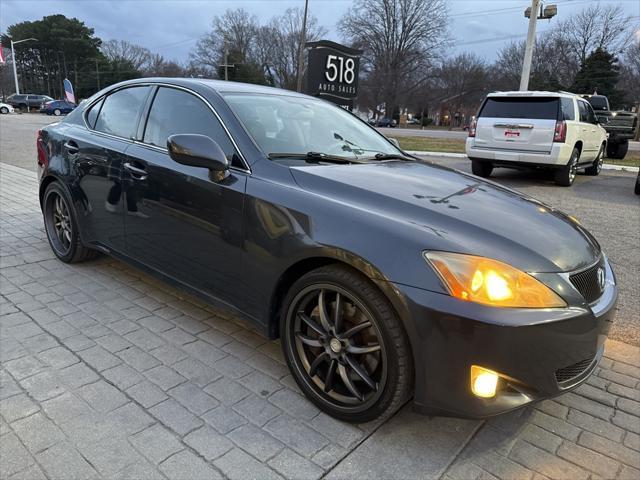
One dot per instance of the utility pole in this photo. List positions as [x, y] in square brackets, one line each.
[13, 58]
[226, 64]
[303, 40]
[534, 13]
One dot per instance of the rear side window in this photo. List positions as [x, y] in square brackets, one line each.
[522, 107]
[584, 112]
[176, 111]
[119, 114]
[568, 111]
[93, 112]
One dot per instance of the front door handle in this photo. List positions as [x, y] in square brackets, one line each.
[72, 147]
[137, 173]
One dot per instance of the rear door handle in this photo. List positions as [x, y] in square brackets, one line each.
[72, 147]
[137, 173]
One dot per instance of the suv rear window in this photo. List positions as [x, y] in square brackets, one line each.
[521, 107]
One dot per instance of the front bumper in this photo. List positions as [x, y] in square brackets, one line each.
[526, 346]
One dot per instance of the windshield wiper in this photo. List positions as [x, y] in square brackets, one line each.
[392, 156]
[315, 157]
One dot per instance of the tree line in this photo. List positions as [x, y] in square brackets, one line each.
[405, 64]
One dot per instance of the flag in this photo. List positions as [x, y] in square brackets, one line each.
[68, 91]
[2, 59]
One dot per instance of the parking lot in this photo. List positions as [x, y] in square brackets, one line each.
[109, 373]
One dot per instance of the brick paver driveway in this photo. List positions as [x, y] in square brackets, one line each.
[109, 373]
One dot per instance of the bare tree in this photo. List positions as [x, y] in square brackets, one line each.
[630, 74]
[460, 81]
[597, 26]
[126, 52]
[157, 66]
[400, 38]
[235, 30]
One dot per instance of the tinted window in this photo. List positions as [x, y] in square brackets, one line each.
[523, 107]
[584, 113]
[92, 114]
[176, 111]
[598, 102]
[568, 111]
[591, 115]
[119, 114]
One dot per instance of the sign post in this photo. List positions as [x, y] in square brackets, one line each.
[333, 72]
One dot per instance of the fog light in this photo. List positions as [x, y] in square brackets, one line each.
[483, 382]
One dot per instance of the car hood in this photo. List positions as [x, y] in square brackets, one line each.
[454, 211]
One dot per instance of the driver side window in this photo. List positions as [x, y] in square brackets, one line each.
[176, 111]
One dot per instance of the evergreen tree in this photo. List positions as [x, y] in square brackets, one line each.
[599, 73]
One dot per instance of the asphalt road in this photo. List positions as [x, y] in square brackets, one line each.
[605, 204]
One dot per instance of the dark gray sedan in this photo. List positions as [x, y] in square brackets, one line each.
[383, 276]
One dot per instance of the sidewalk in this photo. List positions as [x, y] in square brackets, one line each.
[108, 373]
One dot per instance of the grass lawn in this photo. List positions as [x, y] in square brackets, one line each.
[455, 145]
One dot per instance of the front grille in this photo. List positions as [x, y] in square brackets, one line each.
[587, 282]
[572, 371]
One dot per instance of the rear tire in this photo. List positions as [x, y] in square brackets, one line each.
[618, 150]
[481, 169]
[325, 358]
[4, 110]
[596, 166]
[567, 174]
[60, 222]
[57, 112]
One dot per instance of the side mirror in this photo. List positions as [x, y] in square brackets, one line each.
[395, 142]
[197, 151]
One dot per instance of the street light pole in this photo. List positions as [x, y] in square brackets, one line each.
[534, 13]
[13, 58]
[528, 50]
[303, 40]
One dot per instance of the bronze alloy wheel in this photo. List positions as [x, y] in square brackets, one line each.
[58, 223]
[338, 347]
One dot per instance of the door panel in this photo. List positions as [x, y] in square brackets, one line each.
[98, 161]
[186, 225]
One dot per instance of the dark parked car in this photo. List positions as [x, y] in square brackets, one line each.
[58, 107]
[386, 122]
[384, 277]
[27, 101]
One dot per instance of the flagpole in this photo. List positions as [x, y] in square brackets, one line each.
[13, 59]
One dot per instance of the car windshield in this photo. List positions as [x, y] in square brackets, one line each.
[284, 124]
[598, 102]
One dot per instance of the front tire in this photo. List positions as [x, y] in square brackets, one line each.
[62, 227]
[345, 345]
[481, 169]
[567, 174]
[596, 166]
[4, 110]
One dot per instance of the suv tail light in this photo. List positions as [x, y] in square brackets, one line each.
[472, 128]
[560, 133]
[43, 156]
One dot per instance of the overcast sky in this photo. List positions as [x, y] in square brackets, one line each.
[172, 27]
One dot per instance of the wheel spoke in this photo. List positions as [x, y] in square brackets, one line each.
[328, 383]
[351, 332]
[362, 373]
[317, 362]
[322, 311]
[312, 342]
[337, 314]
[311, 324]
[356, 350]
[348, 383]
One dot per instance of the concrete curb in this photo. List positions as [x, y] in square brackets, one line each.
[420, 153]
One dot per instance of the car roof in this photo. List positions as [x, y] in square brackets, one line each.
[532, 93]
[220, 86]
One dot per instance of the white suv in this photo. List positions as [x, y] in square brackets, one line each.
[557, 130]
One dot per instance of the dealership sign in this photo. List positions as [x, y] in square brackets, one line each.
[333, 72]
